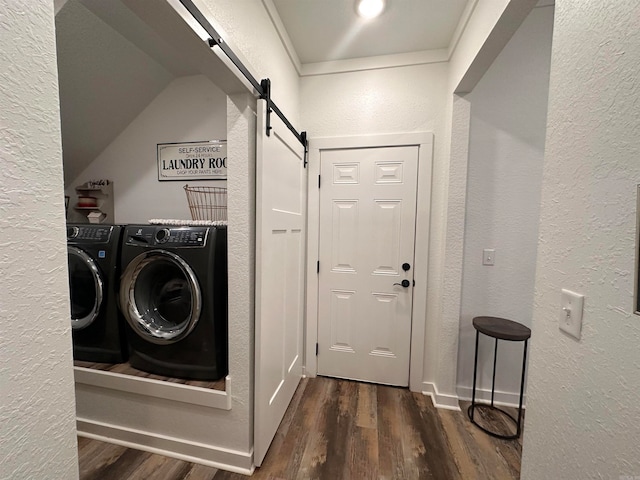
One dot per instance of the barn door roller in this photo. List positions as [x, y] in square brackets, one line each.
[263, 88]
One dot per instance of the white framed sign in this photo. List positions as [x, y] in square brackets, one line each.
[192, 160]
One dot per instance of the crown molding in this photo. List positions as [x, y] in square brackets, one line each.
[461, 27]
[272, 11]
[374, 63]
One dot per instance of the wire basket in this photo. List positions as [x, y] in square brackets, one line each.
[207, 203]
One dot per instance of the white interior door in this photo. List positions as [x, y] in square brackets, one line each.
[280, 258]
[367, 233]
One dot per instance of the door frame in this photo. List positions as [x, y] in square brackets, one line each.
[424, 140]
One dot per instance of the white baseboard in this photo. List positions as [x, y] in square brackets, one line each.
[210, 455]
[448, 402]
[504, 399]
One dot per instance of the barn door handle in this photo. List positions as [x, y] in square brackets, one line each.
[405, 283]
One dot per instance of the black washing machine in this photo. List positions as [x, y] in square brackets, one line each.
[97, 325]
[173, 294]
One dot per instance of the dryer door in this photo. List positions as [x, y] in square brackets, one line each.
[85, 287]
[160, 297]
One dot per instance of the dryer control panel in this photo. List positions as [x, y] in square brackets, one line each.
[167, 236]
[89, 233]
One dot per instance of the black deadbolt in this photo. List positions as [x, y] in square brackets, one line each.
[406, 266]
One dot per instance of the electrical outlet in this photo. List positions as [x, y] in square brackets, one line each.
[571, 313]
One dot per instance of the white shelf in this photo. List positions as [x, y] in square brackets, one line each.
[104, 198]
[177, 392]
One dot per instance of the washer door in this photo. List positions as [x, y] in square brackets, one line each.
[85, 287]
[160, 297]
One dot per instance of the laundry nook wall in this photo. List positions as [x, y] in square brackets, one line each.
[189, 109]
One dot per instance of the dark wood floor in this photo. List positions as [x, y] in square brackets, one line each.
[106, 461]
[127, 369]
[337, 429]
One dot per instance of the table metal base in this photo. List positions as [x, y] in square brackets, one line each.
[496, 334]
[470, 412]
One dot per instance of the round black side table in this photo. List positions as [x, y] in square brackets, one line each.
[499, 329]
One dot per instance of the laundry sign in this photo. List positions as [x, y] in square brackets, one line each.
[192, 160]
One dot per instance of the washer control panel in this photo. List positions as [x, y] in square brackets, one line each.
[89, 233]
[167, 236]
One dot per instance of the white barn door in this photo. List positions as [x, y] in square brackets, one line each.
[281, 190]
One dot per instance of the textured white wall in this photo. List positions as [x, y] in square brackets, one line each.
[37, 414]
[504, 179]
[190, 109]
[241, 122]
[583, 408]
[392, 100]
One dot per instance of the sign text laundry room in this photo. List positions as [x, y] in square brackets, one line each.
[193, 160]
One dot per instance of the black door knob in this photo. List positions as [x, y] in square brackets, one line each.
[405, 283]
[406, 266]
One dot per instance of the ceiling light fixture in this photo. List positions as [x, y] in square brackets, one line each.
[370, 8]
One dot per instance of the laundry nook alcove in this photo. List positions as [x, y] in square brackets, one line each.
[135, 74]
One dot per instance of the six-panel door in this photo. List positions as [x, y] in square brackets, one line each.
[367, 233]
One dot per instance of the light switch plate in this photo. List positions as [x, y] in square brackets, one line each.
[571, 313]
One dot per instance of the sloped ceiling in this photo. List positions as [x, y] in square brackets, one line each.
[114, 58]
[105, 82]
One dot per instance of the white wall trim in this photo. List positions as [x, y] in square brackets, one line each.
[424, 140]
[447, 402]
[443, 370]
[282, 34]
[460, 28]
[374, 63]
[217, 457]
[504, 399]
[375, 140]
[421, 262]
[206, 397]
[313, 249]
